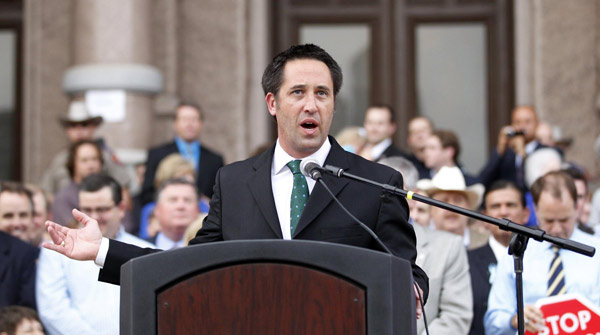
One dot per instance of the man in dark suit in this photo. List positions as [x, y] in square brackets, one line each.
[254, 198]
[188, 126]
[16, 210]
[17, 272]
[442, 148]
[515, 142]
[503, 199]
[419, 129]
[380, 126]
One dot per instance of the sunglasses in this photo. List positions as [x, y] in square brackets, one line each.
[79, 124]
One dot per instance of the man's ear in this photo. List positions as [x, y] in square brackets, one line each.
[271, 103]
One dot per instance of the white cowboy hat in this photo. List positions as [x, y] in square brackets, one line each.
[451, 179]
[78, 113]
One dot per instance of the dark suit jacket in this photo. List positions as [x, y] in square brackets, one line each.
[423, 170]
[391, 151]
[479, 264]
[209, 164]
[243, 208]
[504, 167]
[17, 272]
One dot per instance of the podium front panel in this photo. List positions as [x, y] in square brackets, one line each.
[312, 288]
[262, 299]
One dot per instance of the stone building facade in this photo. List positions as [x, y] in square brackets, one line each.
[212, 52]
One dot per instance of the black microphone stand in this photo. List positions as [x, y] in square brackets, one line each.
[518, 242]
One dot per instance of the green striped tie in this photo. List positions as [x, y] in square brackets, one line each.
[299, 195]
[556, 275]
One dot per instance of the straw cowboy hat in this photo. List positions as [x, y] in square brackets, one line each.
[78, 113]
[451, 179]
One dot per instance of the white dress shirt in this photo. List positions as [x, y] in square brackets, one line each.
[582, 276]
[497, 248]
[282, 182]
[378, 149]
[165, 243]
[70, 298]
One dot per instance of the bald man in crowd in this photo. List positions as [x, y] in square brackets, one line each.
[547, 269]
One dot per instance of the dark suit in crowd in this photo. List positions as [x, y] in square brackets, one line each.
[391, 151]
[480, 260]
[421, 168]
[242, 207]
[17, 272]
[504, 167]
[209, 164]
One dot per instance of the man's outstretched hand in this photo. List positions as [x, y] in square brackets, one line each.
[418, 295]
[80, 244]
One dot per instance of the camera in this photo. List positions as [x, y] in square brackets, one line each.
[511, 132]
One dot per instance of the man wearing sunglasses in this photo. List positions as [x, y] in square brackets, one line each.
[80, 125]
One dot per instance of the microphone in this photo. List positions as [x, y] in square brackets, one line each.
[311, 168]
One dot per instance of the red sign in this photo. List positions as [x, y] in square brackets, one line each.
[569, 314]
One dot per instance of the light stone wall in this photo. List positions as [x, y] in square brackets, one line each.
[565, 47]
[210, 52]
[47, 54]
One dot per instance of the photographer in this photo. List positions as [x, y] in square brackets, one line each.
[515, 142]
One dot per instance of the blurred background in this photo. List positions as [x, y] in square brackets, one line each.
[463, 63]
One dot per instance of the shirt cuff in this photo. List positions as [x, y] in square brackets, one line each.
[102, 252]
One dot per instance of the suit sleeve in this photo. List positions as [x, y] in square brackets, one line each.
[118, 254]
[455, 301]
[211, 227]
[397, 234]
[148, 184]
[490, 170]
[210, 163]
[27, 282]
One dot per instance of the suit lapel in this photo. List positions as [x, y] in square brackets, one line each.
[488, 255]
[319, 199]
[262, 192]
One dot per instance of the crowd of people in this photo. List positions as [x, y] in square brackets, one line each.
[187, 196]
[526, 180]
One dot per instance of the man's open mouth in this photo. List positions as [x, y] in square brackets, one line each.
[309, 125]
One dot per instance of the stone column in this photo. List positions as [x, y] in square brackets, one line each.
[565, 73]
[523, 23]
[47, 31]
[112, 49]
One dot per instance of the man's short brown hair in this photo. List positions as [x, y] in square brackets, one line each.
[556, 183]
[12, 316]
[194, 106]
[386, 107]
[18, 188]
[449, 140]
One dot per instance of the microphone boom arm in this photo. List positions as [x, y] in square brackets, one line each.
[504, 224]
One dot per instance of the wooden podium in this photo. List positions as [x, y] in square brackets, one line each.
[267, 287]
